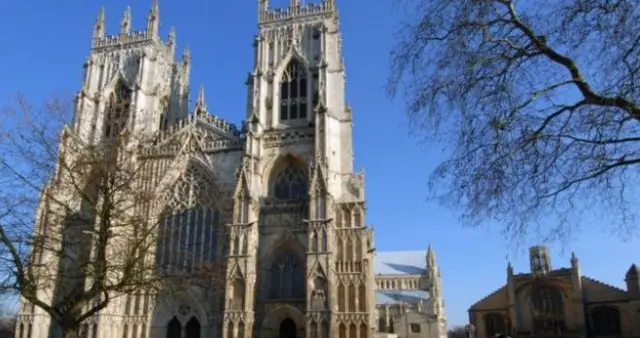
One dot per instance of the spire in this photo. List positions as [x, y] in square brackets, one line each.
[201, 105]
[172, 35]
[125, 25]
[153, 19]
[98, 26]
[294, 3]
[186, 55]
[431, 258]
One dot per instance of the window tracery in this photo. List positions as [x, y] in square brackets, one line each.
[117, 112]
[290, 183]
[494, 324]
[191, 329]
[605, 321]
[293, 92]
[189, 233]
[287, 277]
[548, 309]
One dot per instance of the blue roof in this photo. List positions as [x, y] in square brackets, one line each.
[400, 296]
[400, 262]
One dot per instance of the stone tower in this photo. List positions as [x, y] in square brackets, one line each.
[300, 258]
[539, 260]
[134, 78]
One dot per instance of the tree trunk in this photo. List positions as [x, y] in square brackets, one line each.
[69, 331]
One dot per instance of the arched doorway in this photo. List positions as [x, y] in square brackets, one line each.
[287, 329]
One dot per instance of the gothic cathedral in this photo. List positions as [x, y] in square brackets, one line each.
[277, 199]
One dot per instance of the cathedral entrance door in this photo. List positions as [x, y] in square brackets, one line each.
[287, 329]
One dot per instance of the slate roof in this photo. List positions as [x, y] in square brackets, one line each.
[400, 262]
[400, 296]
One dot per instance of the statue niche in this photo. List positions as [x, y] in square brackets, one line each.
[319, 293]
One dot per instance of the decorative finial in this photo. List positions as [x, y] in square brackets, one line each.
[98, 26]
[201, 105]
[153, 19]
[186, 55]
[125, 25]
[431, 257]
[172, 35]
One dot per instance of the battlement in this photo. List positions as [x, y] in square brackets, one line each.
[295, 11]
[119, 39]
[126, 35]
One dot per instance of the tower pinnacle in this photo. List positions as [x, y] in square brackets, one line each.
[431, 257]
[98, 26]
[201, 105]
[125, 25]
[153, 19]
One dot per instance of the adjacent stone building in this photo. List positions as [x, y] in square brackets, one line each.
[559, 302]
[277, 198]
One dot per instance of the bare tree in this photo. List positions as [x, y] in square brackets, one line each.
[540, 103]
[96, 208]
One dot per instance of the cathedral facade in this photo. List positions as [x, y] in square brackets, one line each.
[276, 199]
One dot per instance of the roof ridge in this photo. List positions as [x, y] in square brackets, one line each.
[489, 295]
[603, 283]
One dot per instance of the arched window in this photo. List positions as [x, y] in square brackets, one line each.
[548, 309]
[174, 329]
[293, 92]
[118, 109]
[605, 321]
[290, 183]
[494, 324]
[188, 239]
[192, 330]
[287, 277]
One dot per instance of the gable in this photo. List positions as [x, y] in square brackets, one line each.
[196, 134]
[400, 263]
[498, 299]
[595, 291]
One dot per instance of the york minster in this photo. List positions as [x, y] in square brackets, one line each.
[276, 199]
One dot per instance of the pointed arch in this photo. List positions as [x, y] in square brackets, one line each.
[192, 329]
[174, 328]
[547, 304]
[177, 170]
[275, 317]
[118, 108]
[289, 179]
[294, 90]
[287, 276]
[189, 220]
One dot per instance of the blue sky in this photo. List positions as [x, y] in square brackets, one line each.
[44, 45]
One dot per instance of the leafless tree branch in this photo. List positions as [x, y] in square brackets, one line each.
[540, 102]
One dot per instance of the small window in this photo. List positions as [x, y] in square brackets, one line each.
[415, 328]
